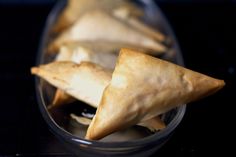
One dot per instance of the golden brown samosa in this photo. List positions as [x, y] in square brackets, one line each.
[99, 25]
[85, 82]
[143, 87]
[75, 8]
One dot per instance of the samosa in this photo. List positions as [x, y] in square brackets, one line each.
[75, 8]
[85, 81]
[98, 25]
[143, 87]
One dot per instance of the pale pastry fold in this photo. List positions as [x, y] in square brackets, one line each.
[101, 53]
[97, 52]
[143, 87]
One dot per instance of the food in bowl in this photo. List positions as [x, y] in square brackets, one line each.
[142, 87]
[69, 117]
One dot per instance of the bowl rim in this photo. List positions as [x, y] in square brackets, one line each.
[62, 133]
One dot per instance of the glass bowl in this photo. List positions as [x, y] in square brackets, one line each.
[64, 129]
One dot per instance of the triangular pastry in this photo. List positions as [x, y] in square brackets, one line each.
[75, 8]
[99, 25]
[85, 81]
[143, 87]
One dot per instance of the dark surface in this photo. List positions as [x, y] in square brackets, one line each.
[206, 35]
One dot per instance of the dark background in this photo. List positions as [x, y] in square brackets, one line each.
[206, 34]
